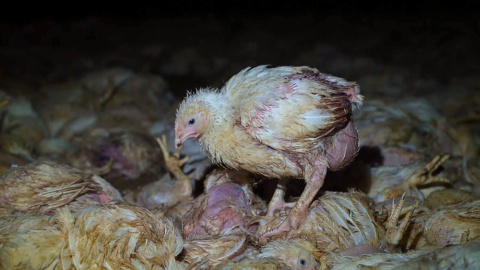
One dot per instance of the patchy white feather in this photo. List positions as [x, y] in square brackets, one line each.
[316, 117]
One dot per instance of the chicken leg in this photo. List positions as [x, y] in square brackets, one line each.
[395, 231]
[425, 176]
[278, 202]
[174, 163]
[314, 176]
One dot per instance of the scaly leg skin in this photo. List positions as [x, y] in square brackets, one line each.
[395, 232]
[425, 177]
[314, 176]
[278, 202]
[173, 164]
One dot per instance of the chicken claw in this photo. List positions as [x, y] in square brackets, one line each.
[425, 177]
[277, 203]
[174, 163]
[395, 232]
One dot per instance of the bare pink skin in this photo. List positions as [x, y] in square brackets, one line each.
[102, 198]
[344, 147]
[120, 162]
[225, 209]
[399, 156]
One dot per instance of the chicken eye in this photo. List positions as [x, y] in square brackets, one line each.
[302, 262]
[191, 121]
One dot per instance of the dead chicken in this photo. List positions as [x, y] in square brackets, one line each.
[228, 202]
[106, 88]
[382, 249]
[465, 256]
[19, 118]
[245, 179]
[284, 122]
[392, 123]
[45, 186]
[338, 222]
[168, 191]
[443, 197]
[218, 211]
[20, 127]
[254, 264]
[453, 224]
[343, 224]
[113, 236]
[298, 254]
[30, 241]
[389, 182]
[127, 155]
[208, 251]
[17, 146]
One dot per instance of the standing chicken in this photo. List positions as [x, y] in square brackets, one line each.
[283, 122]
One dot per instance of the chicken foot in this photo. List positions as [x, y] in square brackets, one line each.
[277, 203]
[314, 176]
[395, 231]
[425, 176]
[174, 163]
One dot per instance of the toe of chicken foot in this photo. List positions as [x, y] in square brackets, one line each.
[395, 231]
[281, 226]
[277, 203]
[172, 162]
[425, 176]
[278, 229]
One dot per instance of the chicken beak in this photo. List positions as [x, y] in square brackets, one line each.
[178, 143]
[178, 139]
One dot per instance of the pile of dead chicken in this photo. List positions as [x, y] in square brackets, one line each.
[409, 199]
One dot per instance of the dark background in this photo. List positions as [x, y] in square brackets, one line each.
[46, 41]
[29, 11]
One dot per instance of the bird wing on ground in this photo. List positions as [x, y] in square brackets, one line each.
[289, 108]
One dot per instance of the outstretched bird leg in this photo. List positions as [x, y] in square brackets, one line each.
[278, 202]
[174, 163]
[425, 176]
[314, 176]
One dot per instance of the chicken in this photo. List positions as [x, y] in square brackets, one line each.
[220, 210]
[120, 156]
[167, 192]
[390, 182]
[208, 251]
[339, 222]
[254, 264]
[453, 224]
[43, 187]
[111, 236]
[297, 253]
[465, 256]
[283, 122]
